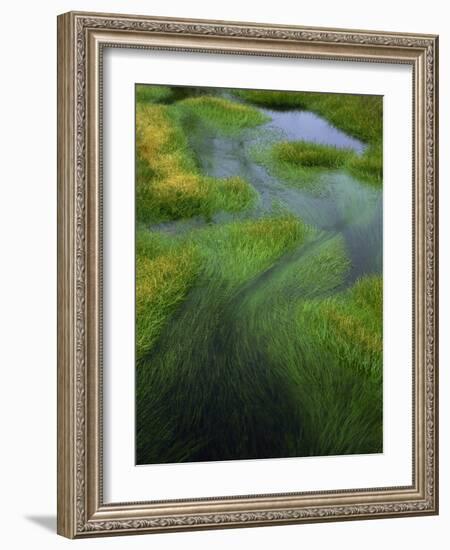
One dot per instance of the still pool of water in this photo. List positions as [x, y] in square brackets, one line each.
[308, 126]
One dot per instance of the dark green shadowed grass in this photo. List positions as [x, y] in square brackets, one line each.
[329, 348]
[273, 99]
[195, 400]
[207, 394]
[149, 93]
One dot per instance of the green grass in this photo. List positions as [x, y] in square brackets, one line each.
[342, 355]
[301, 163]
[328, 347]
[238, 251]
[295, 174]
[164, 273]
[273, 99]
[166, 267]
[310, 155]
[190, 384]
[369, 166]
[221, 114]
[360, 116]
[169, 185]
[265, 359]
[153, 94]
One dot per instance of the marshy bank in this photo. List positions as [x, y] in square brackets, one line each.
[258, 275]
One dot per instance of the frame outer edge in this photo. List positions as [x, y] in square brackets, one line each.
[66, 524]
[436, 270]
[74, 479]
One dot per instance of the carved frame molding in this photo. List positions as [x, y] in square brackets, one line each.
[81, 38]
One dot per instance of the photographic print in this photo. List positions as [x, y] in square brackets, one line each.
[258, 274]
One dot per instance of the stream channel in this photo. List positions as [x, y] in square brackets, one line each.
[339, 203]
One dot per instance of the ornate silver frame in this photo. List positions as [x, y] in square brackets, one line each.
[81, 38]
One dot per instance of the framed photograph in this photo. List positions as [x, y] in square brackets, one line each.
[247, 276]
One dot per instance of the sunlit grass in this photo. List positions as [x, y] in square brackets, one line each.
[164, 273]
[310, 155]
[168, 183]
[223, 114]
[236, 251]
[301, 163]
[356, 316]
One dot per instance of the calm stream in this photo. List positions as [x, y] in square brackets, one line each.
[339, 204]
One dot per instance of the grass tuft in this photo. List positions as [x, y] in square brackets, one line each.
[237, 251]
[301, 163]
[310, 155]
[222, 114]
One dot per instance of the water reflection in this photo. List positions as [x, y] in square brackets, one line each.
[308, 126]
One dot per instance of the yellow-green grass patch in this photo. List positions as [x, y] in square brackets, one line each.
[168, 183]
[164, 273]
